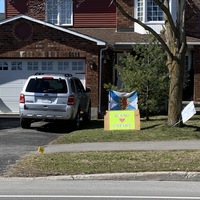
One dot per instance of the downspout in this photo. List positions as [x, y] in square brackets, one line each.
[100, 76]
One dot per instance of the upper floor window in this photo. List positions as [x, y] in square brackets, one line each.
[148, 11]
[154, 13]
[140, 10]
[59, 12]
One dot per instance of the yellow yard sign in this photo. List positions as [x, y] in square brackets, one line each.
[122, 120]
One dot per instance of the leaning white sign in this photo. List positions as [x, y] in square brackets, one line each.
[188, 111]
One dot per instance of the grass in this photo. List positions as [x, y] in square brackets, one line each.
[154, 130]
[117, 161]
[105, 162]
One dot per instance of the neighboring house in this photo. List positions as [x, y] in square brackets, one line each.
[84, 38]
[2, 16]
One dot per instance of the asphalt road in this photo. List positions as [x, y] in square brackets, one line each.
[16, 142]
[93, 190]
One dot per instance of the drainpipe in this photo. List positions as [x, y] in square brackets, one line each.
[100, 76]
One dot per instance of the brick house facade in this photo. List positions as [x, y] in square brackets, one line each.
[98, 34]
[193, 30]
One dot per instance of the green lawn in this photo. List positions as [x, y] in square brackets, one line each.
[116, 161]
[105, 162]
[154, 130]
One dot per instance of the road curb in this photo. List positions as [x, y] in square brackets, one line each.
[140, 176]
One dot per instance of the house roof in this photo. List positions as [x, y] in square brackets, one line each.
[102, 36]
[110, 35]
[114, 38]
[72, 32]
[193, 41]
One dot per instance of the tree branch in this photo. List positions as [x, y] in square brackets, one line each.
[182, 27]
[157, 36]
[166, 10]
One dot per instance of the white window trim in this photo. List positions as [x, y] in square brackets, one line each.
[145, 17]
[58, 15]
[145, 12]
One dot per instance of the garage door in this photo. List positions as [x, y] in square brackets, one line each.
[14, 72]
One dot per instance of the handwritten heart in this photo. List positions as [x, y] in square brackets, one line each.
[122, 119]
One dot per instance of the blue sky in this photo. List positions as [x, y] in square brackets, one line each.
[2, 5]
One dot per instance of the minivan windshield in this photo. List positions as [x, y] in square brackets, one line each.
[42, 85]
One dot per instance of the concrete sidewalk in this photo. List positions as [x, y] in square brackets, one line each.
[123, 146]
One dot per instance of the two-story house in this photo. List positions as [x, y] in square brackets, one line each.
[84, 38]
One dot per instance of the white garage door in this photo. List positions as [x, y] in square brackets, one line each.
[14, 72]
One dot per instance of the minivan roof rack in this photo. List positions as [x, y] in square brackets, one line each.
[39, 73]
[43, 73]
[68, 75]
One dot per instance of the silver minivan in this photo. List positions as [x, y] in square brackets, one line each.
[52, 97]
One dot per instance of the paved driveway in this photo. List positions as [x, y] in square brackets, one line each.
[15, 142]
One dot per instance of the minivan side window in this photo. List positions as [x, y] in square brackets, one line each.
[79, 85]
[72, 86]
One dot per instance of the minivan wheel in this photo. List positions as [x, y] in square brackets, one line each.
[77, 121]
[87, 116]
[25, 123]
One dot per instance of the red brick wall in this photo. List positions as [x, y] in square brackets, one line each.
[48, 43]
[196, 73]
[123, 22]
[193, 30]
[193, 18]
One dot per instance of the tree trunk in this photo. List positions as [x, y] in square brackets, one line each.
[175, 45]
[175, 92]
[176, 41]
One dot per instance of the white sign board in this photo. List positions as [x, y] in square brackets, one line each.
[188, 112]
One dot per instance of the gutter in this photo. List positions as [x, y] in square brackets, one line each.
[100, 76]
[133, 43]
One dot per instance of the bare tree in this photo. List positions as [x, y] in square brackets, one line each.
[174, 43]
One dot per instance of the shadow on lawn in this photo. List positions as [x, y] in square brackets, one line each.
[150, 127]
[66, 127]
[94, 124]
[197, 128]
